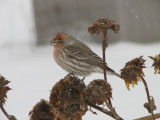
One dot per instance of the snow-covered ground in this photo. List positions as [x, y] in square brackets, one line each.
[33, 72]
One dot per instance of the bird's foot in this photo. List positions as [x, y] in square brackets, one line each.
[72, 74]
[83, 79]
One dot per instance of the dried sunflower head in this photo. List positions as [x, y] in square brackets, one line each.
[67, 95]
[132, 71]
[97, 90]
[156, 63]
[43, 110]
[3, 89]
[103, 25]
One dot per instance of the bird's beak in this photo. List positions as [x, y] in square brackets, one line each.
[53, 42]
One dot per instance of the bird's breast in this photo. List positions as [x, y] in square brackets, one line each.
[56, 54]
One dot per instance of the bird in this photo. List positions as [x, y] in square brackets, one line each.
[76, 57]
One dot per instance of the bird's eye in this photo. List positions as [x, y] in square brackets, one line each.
[60, 39]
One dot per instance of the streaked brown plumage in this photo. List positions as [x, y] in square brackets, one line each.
[76, 57]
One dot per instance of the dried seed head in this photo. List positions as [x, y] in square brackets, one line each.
[97, 91]
[156, 63]
[3, 89]
[132, 71]
[103, 25]
[43, 110]
[68, 96]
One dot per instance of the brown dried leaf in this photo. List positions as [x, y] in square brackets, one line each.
[3, 89]
[156, 63]
[150, 107]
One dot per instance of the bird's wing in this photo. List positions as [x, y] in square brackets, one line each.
[85, 54]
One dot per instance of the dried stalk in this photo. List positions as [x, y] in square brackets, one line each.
[110, 107]
[105, 111]
[10, 117]
[149, 117]
[112, 110]
[147, 92]
[104, 33]
[104, 45]
[5, 113]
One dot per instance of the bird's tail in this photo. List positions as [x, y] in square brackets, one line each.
[112, 72]
[116, 74]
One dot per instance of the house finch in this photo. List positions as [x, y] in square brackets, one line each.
[76, 57]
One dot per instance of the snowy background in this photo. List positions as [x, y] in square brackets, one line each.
[33, 72]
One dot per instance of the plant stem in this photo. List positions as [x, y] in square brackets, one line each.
[4, 111]
[149, 117]
[104, 41]
[148, 96]
[104, 33]
[109, 106]
[105, 111]
[112, 110]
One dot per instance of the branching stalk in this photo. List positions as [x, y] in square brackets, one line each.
[110, 107]
[105, 111]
